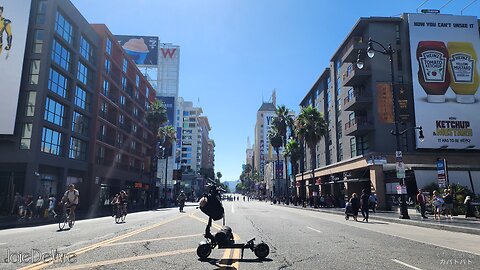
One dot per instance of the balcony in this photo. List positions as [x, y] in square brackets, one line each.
[358, 126]
[350, 53]
[354, 76]
[358, 99]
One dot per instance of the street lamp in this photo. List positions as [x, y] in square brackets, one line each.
[389, 51]
[165, 156]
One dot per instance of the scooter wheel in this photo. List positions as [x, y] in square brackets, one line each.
[261, 250]
[204, 250]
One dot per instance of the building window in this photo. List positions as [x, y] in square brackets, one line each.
[362, 145]
[60, 55]
[31, 100]
[329, 98]
[54, 112]
[37, 41]
[34, 72]
[57, 83]
[125, 66]
[108, 48]
[78, 149]
[353, 147]
[133, 145]
[137, 95]
[122, 99]
[135, 111]
[104, 108]
[80, 123]
[51, 142]
[134, 127]
[86, 50]
[121, 119]
[26, 136]
[83, 74]
[399, 60]
[124, 83]
[339, 88]
[82, 98]
[340, 152]
[107, 66]
[397, 34]
[41, 12]
[106, 88]
[64, 28]
[137, 80]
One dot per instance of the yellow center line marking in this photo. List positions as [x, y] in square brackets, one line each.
[125, 260]
[49, 262]
[151, 240]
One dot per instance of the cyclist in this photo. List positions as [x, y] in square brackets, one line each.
[122, 201]
[70, 199]
[181, 200]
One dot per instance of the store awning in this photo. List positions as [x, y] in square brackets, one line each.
[355, 180]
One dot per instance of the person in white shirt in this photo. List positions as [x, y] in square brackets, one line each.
[70, 198]
[39, 206]
[51, 206]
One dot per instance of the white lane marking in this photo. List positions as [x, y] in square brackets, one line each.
[233, 210]
[405, 232]
[3, 243]
[405, 264]
[314, 229]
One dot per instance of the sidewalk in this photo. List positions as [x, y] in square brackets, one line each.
[457, 224]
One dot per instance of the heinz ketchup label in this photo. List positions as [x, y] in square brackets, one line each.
[434, 66]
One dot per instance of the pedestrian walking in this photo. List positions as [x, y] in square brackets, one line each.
[469, 211]
[29, 206]
[355, 202]
[438, 204]
[39, 207]
[17, 202]
[448, 199]
[51, 206]
[365, 201]
[372, 201]
[422, 202]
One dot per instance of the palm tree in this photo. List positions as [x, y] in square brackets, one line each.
[294, 151]
[219, 175]
[282, 122]
[311, 127]
[156, 115]
[276, 141]
[169, 136]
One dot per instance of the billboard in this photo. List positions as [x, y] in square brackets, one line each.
[142, 49]
[170, 106]
[445, 79]
[14, 17]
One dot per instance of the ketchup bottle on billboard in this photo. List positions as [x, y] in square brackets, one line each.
[433, 75]
[463, 69]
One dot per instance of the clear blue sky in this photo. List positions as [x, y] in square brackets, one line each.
[235, 52]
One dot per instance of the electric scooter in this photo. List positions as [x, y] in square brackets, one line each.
[211, 205]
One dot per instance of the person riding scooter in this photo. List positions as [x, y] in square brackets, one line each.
[181, 200]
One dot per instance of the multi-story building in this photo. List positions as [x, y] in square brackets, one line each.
[123, 140]
[359, 151]
[53, 138]
[80, 113]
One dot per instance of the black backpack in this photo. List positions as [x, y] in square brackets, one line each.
[213, 208]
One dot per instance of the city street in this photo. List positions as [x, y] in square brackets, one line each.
[298, 239]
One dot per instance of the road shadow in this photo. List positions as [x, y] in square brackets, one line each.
[375, 222]
[227, 263]
[64, 230]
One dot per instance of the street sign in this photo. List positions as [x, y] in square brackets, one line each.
[400, 168]
[442, 172]
[398, 154]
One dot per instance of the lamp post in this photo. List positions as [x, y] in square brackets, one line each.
[165, 156]
[389, 51]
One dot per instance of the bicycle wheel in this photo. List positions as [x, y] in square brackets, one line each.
[63, 222]
[71, 221]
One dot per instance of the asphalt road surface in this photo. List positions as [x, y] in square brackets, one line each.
[298, 239]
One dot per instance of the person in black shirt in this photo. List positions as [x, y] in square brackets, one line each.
[364, 200]
[355, 201]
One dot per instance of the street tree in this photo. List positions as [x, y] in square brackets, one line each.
[276, 141]
[282, 121]
[311, 127]
[168, 136]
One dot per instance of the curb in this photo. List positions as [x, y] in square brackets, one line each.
[445, 227]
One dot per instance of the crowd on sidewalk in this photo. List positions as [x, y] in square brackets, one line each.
[29, 207]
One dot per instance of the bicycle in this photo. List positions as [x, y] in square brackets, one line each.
[66, 219]
[121, 213]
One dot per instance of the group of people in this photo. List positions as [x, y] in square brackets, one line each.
[27, 207]
[442, 204]
[364, 203]
[119, 203]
